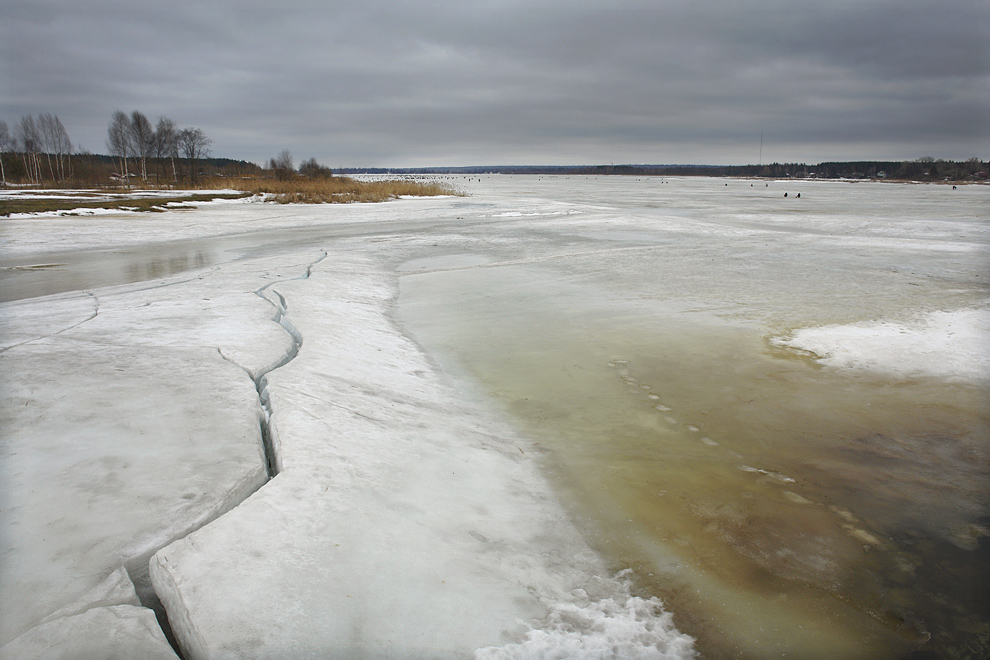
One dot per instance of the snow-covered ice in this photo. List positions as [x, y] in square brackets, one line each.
[105, 622]
[124, 428]
[412, 525]
[951, 345]
[117, 632]
[411, 515]
[403, 521]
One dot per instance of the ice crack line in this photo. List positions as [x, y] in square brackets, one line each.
[96, 312]
[269, 435]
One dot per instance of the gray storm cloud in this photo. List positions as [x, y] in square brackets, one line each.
[504, 82]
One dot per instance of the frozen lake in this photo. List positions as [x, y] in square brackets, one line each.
[649, 336]
[771, 409]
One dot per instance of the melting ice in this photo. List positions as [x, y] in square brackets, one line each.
[766, 413]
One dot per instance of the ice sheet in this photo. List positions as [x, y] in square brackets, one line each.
[408, 519]
[105, 622]
[404, 523]
[124, 427]
[119, 632]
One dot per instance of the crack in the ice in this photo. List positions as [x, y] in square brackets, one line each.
[138, 570]
[337, 405]
[269, 436]
[150, 597]
[96, 312]
[165, 285]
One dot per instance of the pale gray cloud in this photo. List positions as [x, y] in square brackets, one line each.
[506, 82]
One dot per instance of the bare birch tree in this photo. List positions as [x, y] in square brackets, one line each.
[312, 169]
[63, 149]
[56, 142]
[142, 140]
[194, 145]
[282, 165]
[119, 139]
[46, 127]
[30, 142]
[5, 146]
[167, 142]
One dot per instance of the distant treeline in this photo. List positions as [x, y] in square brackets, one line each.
[38, 151]
[922, 169]
[99, 170]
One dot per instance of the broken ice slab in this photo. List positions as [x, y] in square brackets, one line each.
[111, 633]
[105, 622]
[405, 522]
[124, 429]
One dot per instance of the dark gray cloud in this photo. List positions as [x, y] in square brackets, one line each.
[503, 81]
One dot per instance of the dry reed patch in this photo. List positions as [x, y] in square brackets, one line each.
[337, 190]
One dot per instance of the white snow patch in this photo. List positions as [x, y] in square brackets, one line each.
[622, 626]
[419, 196]
[71, 212]
[103, 194]
[952, 345]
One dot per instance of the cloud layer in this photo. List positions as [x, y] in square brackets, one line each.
[396, 83]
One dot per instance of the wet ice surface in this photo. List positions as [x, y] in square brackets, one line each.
[644, 344]
[405, 521]
[773, 410]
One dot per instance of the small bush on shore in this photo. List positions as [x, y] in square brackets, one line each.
[313, 170]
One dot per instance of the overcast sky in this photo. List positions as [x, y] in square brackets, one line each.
[487, 82]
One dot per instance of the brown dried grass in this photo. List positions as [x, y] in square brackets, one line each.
[335, 190]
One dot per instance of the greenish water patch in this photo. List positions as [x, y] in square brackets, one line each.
[780, 509]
